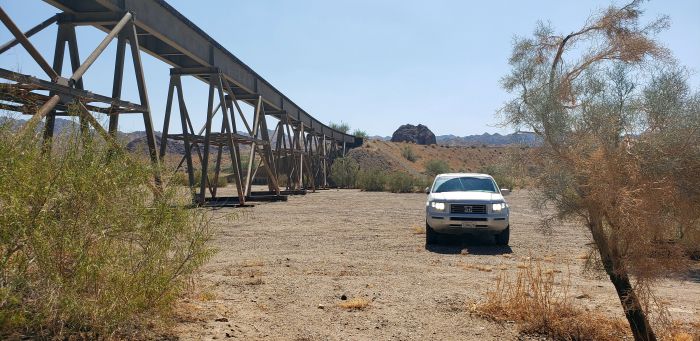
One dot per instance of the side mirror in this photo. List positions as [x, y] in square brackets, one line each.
[505, 191]
[427, 190]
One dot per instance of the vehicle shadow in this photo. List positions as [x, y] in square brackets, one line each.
[693, 275]
[482, 247]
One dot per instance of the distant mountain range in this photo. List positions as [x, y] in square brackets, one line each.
[134, 141]
[136, 138]
[517, 138]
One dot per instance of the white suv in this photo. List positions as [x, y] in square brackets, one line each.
[466, 203]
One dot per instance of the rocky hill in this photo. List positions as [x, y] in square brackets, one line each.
[390, 156]
[419, 134]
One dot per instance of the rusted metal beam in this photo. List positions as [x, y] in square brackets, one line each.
[78, 74]
[84, 95]
[22, 39]
[34, 30]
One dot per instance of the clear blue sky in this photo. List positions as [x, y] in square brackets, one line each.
[373, 64]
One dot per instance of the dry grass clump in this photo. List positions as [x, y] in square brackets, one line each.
[539, 306]
[479, 267]
[683, 332]
[249, 263]
[419, 229]
[357, 303]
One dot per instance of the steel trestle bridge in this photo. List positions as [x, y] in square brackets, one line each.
[296, 157]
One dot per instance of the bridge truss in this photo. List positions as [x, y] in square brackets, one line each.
[297, 156]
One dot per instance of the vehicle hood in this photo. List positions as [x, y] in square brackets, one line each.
[466, 196]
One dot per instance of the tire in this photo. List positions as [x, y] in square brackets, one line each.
[503, 237]
[431, 237]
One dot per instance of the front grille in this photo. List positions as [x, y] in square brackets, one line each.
[468, 209]
[468, 219]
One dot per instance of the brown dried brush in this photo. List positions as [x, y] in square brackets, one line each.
[540, 306]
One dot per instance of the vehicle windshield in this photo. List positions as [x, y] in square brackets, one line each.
[462, 184]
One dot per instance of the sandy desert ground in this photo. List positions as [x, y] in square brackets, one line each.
[283, 268]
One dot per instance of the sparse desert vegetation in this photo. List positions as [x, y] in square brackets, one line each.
[401, 183]
[87, 248]
[436, 166]
[360, 133]
[371, 180]
[598, 239]
[341, 127]
[356, 303]
[620, 145]
[408, 154]
[344, 172]
[542, 304]
[304, 270]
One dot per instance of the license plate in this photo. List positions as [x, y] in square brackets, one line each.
[468, 225]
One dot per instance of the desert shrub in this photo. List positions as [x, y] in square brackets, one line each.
[408, 154]
[85, 245]
[400, 182]
[344, 172]
[371, 180]
[500, 174]
[341, 127]
[535, 302]
[435, 167]
[179, 179]
[360, 133]
[421, 182]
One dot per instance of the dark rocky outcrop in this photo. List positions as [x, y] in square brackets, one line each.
[419, 134]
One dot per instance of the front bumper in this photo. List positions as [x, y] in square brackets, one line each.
[450, 223]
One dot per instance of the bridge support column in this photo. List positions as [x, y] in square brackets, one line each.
[205, 140]
[67, 93]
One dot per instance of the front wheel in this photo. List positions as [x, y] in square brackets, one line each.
[430, 235]
[503, 237]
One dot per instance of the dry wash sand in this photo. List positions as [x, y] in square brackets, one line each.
[283, 268]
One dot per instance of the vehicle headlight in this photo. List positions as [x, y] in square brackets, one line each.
[438, 206]
[499, 207]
